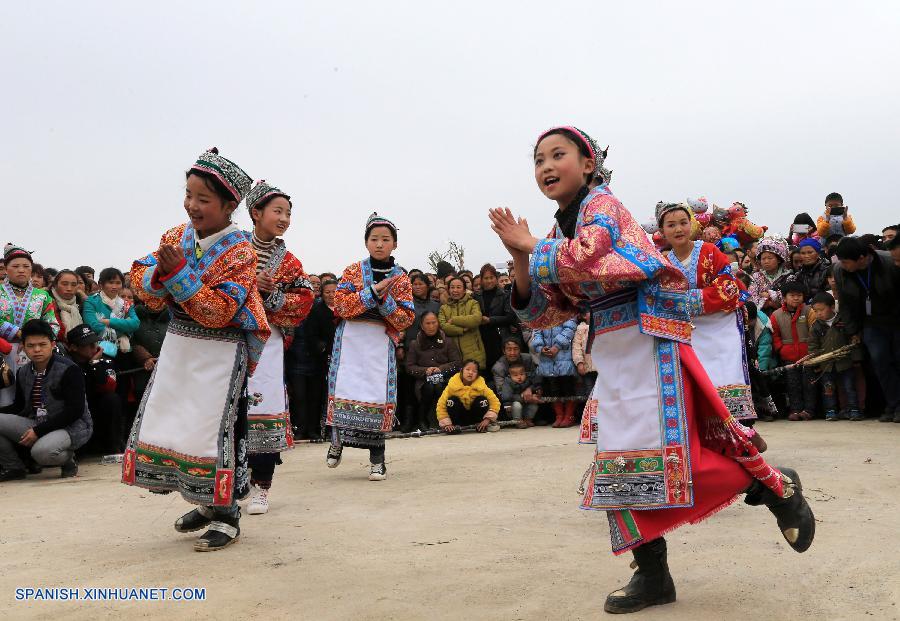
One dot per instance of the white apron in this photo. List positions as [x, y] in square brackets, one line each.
[362, 378]
[184, 435]
[267, 414]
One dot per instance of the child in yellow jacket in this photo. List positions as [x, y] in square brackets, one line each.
[836, 220]
[467, 400]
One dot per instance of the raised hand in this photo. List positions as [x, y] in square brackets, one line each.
[512, 231]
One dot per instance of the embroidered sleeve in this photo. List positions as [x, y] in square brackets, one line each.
[290, 303]
[610, 247]
[351, 299]
[8, 331]
[144, 281]
[215, 304]
[611, 250]
[397, 307]
[720, 291]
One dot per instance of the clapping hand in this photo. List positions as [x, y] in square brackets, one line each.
[512, 231]
[169, 258]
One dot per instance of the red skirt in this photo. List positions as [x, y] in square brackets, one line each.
[717, 478]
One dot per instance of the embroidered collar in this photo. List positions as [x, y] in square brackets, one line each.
[689, 267]
[20, 298]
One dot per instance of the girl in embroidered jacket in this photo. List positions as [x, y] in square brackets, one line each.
[668, 451]
[716, 300]
[774, 271]
[190, 431]
[20, 302]
[374, 299]
[287, 296]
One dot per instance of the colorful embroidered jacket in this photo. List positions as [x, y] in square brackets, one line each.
[714, 287]
[355, 296]
[610, 254]
[289, 304]
[15, 311]
[762, 286]
[217, 290]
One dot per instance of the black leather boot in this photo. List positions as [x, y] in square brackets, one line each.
[793, 514]
[201, 517]
[223, 531]
[650, 585]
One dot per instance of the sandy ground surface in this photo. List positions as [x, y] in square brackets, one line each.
[467, 527]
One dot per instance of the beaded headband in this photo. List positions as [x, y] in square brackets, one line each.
[663, 208]
[262, 191]
[11, 251]
[376, 220]
[597, 154]
[227, 172]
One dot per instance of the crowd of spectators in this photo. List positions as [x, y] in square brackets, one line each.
[818, 290]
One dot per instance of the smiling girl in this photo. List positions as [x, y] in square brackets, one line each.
[374, 301]
[287, 296]
[668, 451]
[109, 315]
[716, 309]
[189, 434]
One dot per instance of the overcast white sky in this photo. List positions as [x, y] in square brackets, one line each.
[427, 113]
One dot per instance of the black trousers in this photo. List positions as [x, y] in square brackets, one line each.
[262, 468]
[459, 415]
[427, 405]
[306, 403]
[109, 423]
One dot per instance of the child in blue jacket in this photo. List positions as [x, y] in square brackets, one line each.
[554, 349]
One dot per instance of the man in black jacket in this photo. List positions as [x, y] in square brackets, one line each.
[49, 418]
[869, 293]
[103, 400]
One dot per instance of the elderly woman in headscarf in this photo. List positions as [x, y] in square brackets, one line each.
[813, 272]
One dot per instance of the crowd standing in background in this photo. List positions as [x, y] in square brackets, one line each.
[817, 290]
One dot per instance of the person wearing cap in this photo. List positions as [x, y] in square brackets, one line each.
[791, 326]
[49, 418]
[190, 430]
[288, 297]
[100, 388]
[20, 301]
[374, 301]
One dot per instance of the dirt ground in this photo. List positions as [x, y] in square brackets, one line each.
[478, 526]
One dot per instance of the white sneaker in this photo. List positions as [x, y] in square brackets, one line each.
[333, 459]
[378, 472]
[259, 502]
[254, 490]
